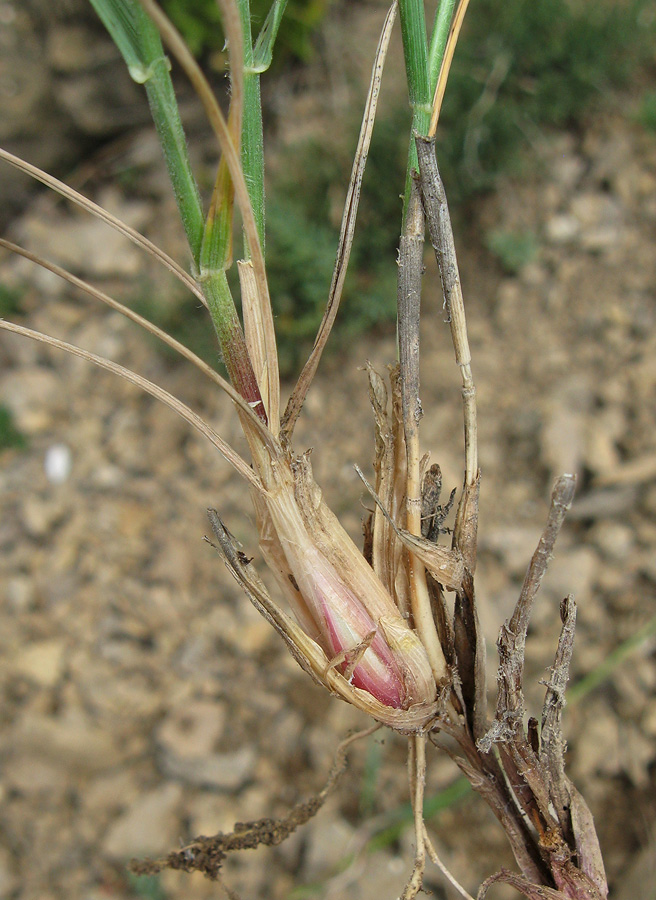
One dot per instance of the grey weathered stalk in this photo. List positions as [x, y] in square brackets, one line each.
[411, 264]
[411, 252]
[469, 642]
[486, 777]
[512, 637]
[552, 750]
[441, 237]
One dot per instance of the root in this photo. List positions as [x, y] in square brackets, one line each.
[207, 854]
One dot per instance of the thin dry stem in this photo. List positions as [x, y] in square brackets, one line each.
[445, 68]
[417, 779]
[409, 296]
[147, 326]
[552, 744]
[84, 202]
[512, 637]
[349, 215]
[217, 121]
[149, 387]
[441, 236]
[445, 565]
[231, 22]
[561, 500]
[435, 859]
[523, 885]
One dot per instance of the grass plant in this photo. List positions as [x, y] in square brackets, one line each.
[392, 630]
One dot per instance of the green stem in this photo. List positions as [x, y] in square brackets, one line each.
[415, 50]
[422, 66]
[415, 54]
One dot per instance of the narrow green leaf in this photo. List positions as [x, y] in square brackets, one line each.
[263, 52]
[252, 140]
[216, 247]
[252, 153]
[139, 42]
[441, 28]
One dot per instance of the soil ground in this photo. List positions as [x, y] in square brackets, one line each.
[144, 701]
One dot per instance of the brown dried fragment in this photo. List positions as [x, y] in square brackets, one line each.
[433, 513]
[206, 854]
[445, 565]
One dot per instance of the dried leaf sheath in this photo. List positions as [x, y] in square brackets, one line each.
[307, 652]
[387, 555]
[334, 593]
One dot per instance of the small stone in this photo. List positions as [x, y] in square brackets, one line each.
[70, 741]
[601, 454]
[593, 209]
[572, 572]
[111, 793]
[151, 826]
[9, 879]
[603, 503]
[649, 720]
[20, 593]
[513, 545]
[174, 563]
[597, 747]
[107, 476]
[192, 731]
[329, 843]
[31, 774]
[613, 540]
[71, 48]
[41, 662]
[562, 229]
[220, 771]
[384, 875]
[638, 879]
[40, 516]
[567, 169]
[562, 438]
[209, 813]
[637, 755]
[58, 463]
[647, 566]
[34, 397]
[82, 244]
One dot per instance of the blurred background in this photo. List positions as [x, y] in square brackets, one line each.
[143, 700]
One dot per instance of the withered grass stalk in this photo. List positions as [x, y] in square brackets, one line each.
[375, 628]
